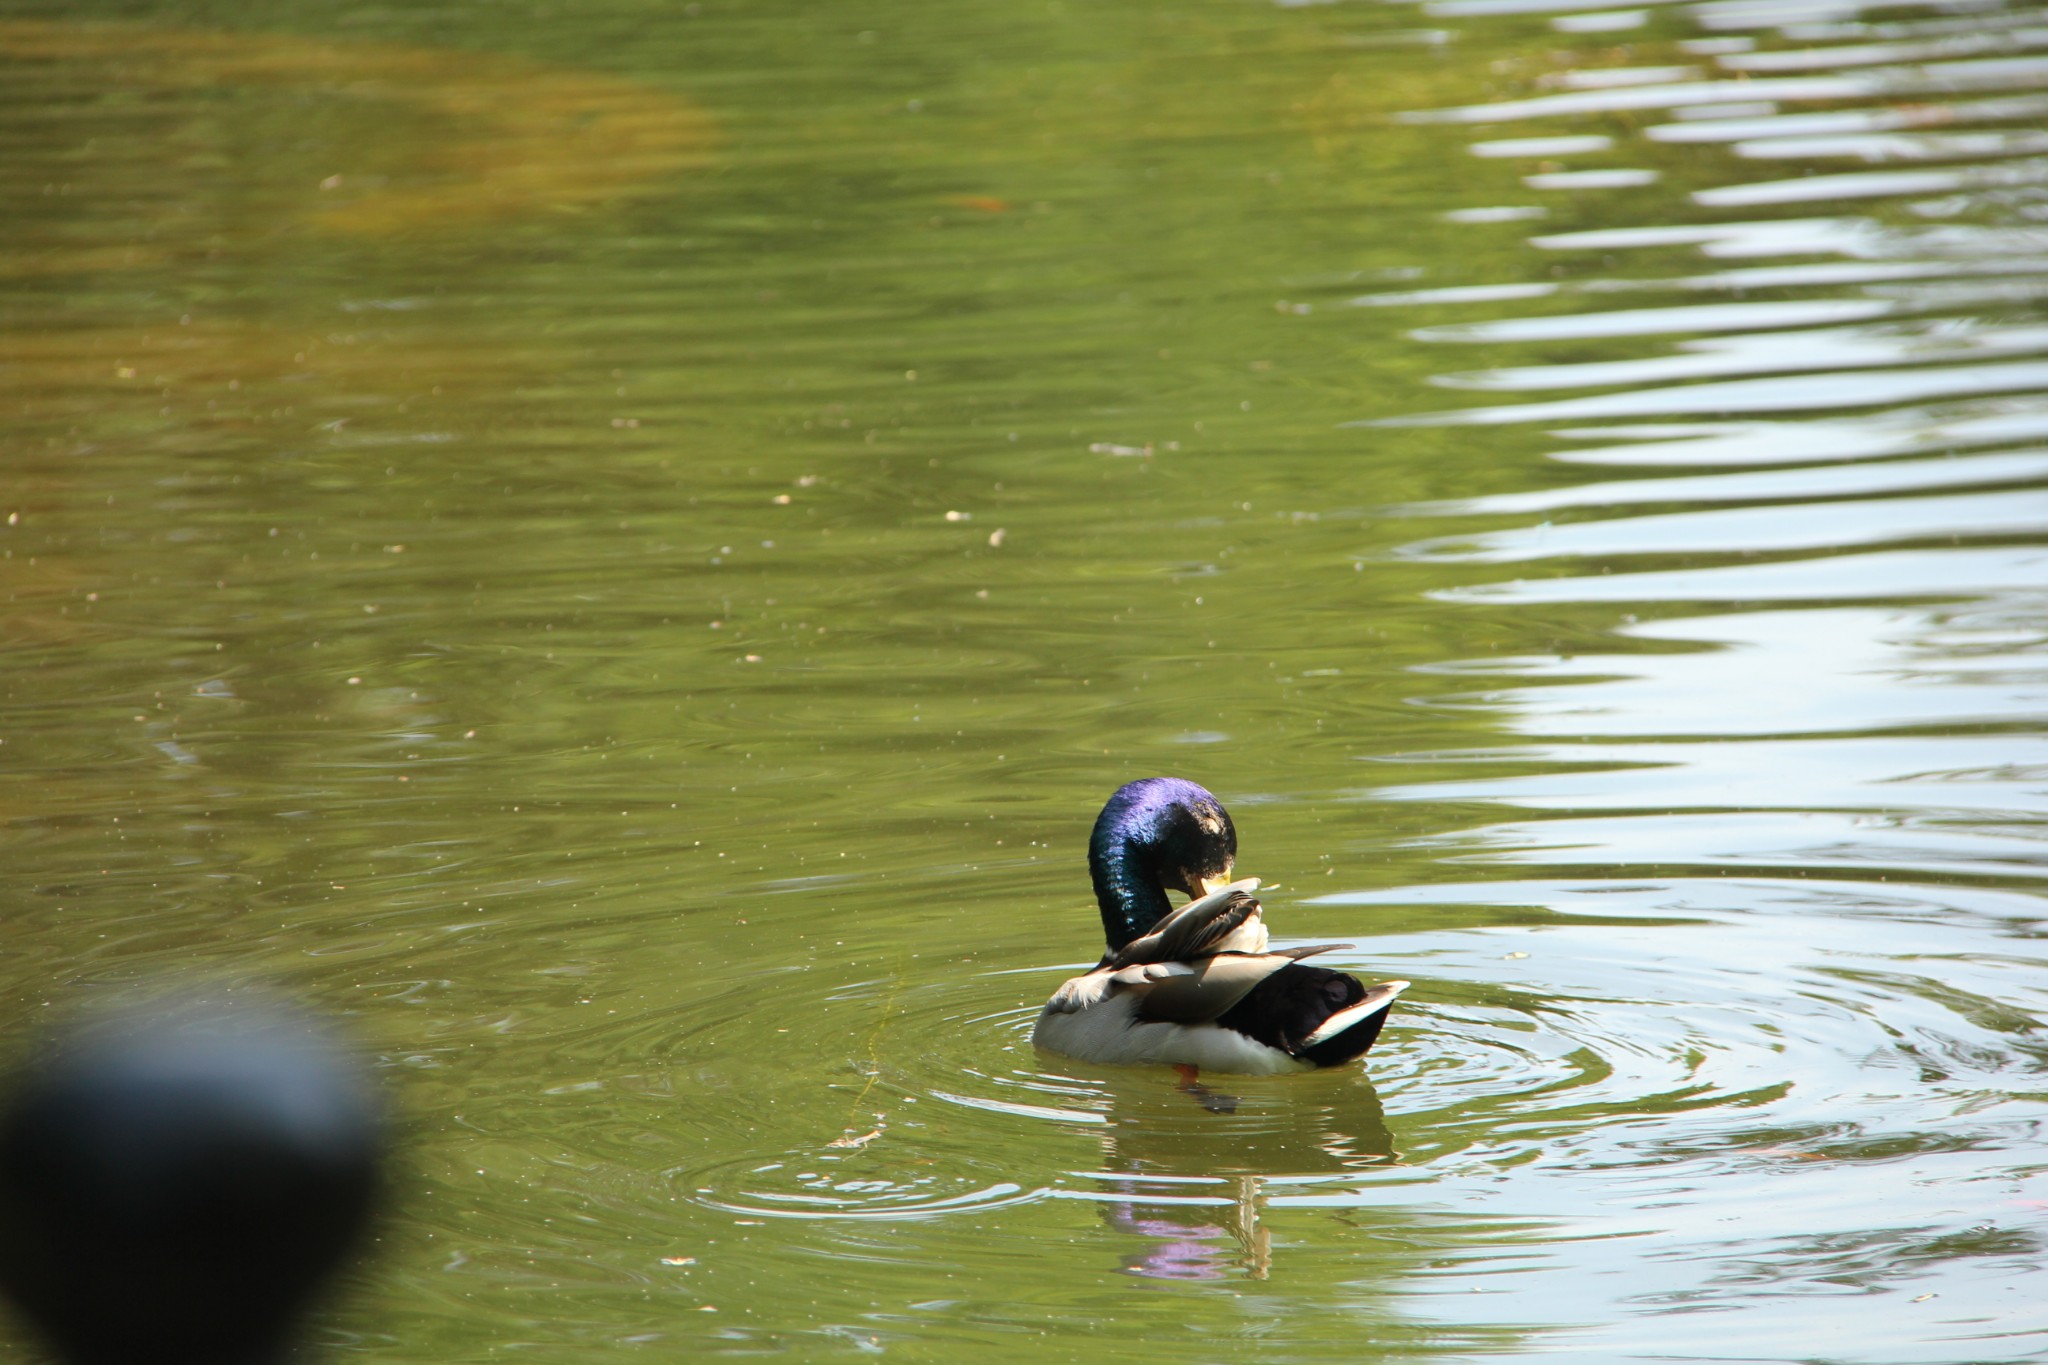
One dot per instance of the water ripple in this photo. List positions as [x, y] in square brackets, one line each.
[1787, 753]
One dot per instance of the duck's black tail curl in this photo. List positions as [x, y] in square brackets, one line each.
[1301, 1011]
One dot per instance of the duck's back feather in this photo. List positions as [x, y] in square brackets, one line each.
[1213, 986]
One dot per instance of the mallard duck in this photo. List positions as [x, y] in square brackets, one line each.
[1196, 987]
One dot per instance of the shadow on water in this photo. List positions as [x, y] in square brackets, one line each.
[497, 137]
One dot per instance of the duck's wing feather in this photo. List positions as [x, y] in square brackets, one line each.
[1085, 992]
[1208, 988]
[1195, 930]
[1214, 983]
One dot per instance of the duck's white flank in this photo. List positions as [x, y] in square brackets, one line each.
[1100, 1023]
[1112, 1032]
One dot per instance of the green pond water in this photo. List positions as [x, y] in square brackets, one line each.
[615, 550]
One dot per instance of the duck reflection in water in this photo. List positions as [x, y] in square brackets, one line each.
[1194, 1169]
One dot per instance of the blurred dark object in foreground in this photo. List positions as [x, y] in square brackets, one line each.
[175, 1188]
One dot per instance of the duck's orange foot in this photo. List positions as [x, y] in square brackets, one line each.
[1203, 1095]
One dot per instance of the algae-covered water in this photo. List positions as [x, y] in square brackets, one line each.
[616, 550]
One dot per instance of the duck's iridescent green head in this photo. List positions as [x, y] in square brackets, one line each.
[1156, 833]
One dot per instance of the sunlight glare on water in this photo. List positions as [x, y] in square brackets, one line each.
[618, 553]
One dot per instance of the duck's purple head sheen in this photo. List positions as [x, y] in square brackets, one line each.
[1156, 833]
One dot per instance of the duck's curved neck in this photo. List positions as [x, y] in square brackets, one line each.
[1130, 897]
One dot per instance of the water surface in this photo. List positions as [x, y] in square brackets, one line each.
[619, 551]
